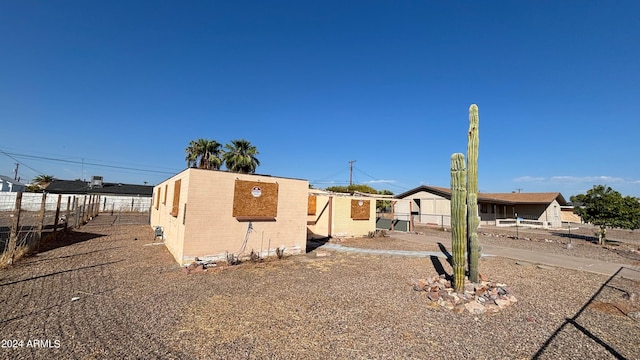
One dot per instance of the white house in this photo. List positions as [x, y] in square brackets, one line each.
[7, 184]
[432, 205]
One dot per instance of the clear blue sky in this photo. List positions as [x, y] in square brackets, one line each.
[119, 88]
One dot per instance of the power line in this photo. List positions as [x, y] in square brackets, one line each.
[376, 179]
[328, 178]
[20, 162]
[79, 163]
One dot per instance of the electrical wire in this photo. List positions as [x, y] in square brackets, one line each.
[20, 162]
[246, 238]
[79, 163]
[389, 183]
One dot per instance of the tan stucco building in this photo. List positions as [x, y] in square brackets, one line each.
[209, 214]
[340, 215]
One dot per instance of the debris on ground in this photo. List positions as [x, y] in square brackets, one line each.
[199, 266]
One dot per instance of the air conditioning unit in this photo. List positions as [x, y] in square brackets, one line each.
[96, 181]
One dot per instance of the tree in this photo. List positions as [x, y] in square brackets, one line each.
[604, 207]
[353, 188]
[382, 205]
[241, 157]
[350, 189]
[39, 183]
[42, 181]
[204, 154]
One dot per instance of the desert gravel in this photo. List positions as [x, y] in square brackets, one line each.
[101, 294]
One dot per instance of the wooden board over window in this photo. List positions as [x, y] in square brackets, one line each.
[176, 198]
[166, 190]
[360, 209]
[311, 210]
[255, 200]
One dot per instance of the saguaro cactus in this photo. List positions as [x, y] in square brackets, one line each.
[472, 193]
[458, 219]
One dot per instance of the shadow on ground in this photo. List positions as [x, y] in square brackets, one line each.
[575, 320]
[589, 238]
[313, 244]
[59, 272]
[66, 239]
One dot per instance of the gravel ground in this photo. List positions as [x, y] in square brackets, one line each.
[623, 251]
[101, 294]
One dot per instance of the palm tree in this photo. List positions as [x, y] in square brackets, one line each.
[204, 154]
[241, 157]
[42, 181]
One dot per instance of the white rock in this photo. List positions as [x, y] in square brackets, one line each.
[474, 307]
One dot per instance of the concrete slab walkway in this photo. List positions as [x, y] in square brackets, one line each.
[528, 256]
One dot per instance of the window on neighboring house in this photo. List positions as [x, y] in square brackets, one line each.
[483, 208]
[158, 198]
[176, 198]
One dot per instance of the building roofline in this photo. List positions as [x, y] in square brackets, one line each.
[498, 198]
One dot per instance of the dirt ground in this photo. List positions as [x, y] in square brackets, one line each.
[106, 292]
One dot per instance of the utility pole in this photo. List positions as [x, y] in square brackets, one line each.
[15, 172]
[351, 172]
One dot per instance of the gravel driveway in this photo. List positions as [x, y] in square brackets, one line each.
[100, 293]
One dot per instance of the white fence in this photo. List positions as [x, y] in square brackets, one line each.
[536, 224]
[33, 201]
[432, 219]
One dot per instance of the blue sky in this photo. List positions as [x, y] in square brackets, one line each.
[119, 88]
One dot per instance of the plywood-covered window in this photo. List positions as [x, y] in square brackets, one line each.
[158, 198]
[176, 198]
[311, 206]
[166, 190]
[255, 200]
[360, 209]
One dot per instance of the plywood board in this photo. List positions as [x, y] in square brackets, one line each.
[312, 205]
[255, 200]
[360, 209]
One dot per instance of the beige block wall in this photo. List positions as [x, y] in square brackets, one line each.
[341, 223]
[210, 230]
[318, 224]
[344, 226]
[172, 226]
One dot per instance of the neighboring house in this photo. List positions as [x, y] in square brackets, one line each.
[211, 213]
[568, 216]
[432, 205]
[113, 196]
[339, 215]
[7, 184]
